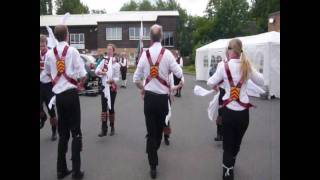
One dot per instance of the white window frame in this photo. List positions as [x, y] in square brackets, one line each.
[136, 33]
[205, 61]
[163, 41]
[114, 34]
[77, 42]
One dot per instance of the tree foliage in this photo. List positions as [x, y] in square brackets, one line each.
[45, 7]
[71, 6]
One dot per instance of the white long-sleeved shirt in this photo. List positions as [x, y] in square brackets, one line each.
[234, 66]
[168, 64]
[74, 67]
[115, 70]
[44, 78]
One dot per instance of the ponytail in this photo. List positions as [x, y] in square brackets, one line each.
[245, 66]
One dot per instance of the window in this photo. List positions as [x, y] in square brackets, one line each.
[219, 59]
[134, 33]
[205, 61]
[260, 59]
[167, 39]
[114, 33]
[213, 61]
[76, 38]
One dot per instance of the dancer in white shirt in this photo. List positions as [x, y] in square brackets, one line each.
[154, 66]
[235, 74]
[109, 72]
[65, 66]
[46, 90]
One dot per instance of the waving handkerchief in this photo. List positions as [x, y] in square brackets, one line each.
[52, 102]
[253, 89]
[213, 107]
[200, 91]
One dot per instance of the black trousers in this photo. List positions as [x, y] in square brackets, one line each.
[235, 124]
[45, 96]
[68, 106]
[104, 101]
[219, 126]
[123, 73]
[155, 111]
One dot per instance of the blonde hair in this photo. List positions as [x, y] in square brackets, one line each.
[236, 46]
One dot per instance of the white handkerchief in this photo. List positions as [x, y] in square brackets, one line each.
[253, 89]
[199, 91]
[213, 107]
[52, 102]
[169, 114]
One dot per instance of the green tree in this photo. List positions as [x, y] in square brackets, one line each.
[71, 6]
[212, 7]
[260, 11]
[45, 7]
[145, 5]
[130, 6]
[231, 19]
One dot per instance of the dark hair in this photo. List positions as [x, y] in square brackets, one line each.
[156, 33]
[61, 32]
[43, 38]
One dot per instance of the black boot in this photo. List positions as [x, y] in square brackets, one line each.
[78, 175]
[153, 172]
[63, 174]
[43, 118]
[166, 140]
[112, 118]
[104, 129]
[54, 133]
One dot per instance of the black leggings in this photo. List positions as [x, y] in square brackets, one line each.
[234, 124]
[123, 73]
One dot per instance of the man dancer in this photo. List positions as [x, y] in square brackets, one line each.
[154, 66]
[64, 64]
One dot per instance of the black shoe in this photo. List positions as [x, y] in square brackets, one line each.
[153, 173]
[112, 132]
[78, 175]
[218, 138]
[103, 133]
[54, 136]
[63, 174]
[42, 122]
[166, 141]
[226, 176]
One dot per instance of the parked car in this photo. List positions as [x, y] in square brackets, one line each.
[92, 83]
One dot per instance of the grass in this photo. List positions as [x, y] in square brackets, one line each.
[190, 69]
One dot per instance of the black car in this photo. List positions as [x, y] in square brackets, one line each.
[92, 87]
